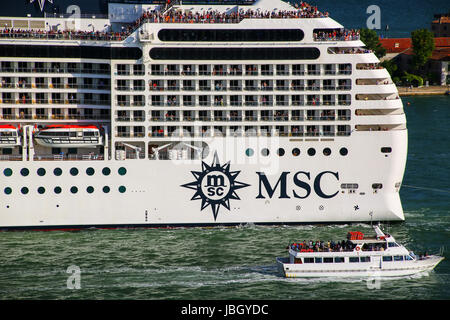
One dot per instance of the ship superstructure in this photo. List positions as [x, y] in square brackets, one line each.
[195, 114]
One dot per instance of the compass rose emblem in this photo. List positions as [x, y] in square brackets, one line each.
[41, 3]
[215, 185]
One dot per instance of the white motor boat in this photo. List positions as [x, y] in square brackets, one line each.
[357, 256]
[69, 136]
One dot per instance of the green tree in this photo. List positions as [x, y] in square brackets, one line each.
[372, 42]
[423, 46]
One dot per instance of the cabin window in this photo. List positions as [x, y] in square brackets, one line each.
[327, 260]
[90, 189]
[265, 152]
[74, 189]
[72, 151]
[298, 260]
[339, 259]
[249, 152]
[7, 172]
[353, 259]
[41, 190]
[343, 151]
[392, 244]
[377, 186]
[106, 171]
[295, 152]
[41, 172]
[327, 151]
[90, 171]
[24, 172]
[364, 259]
[74, 171]
[311, 151]
[308, 260]
[122, 171]
[7, 151]
[122, 189]
[408, 258]
[280, 152]
[386, 150]
[318, 260]
[24, 190]
[387, 258]
[398, 258]
[56, 150]
[57, 172]
[8, 190]
[57, 190]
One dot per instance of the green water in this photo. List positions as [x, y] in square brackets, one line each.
[239, 262]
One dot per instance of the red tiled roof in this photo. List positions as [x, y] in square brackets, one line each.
[404, 45]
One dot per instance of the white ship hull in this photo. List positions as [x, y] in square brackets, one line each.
[158, 191]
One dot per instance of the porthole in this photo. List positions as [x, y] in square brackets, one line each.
[57, 172]
[8, 172]
[265, 152]
[106, 189]
[311, 151]
[74, 189]
[24, 190]
[386, 150]
[41, 172]
[296, 152]
[8, 190]
[280, 152]
[74, 171]
[24, 172]
[106, 171]
[41, 190]
[90, 171]
[90, 189]
[343, 151]
[249, 152]
[327, 151]
[122, 171]
[122, 189]
[57, 190]
[377, 186]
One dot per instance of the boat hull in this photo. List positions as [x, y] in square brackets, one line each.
[387, 269]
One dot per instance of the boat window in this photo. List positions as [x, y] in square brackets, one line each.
[122, 189]
[387, 258]
[327, 260]
[318, 260]
[90, 171]
[353, 259]
[90, 189]
[240, 35]
[392, 244]
[339, 259]
[386, 149]
[308, 260]
[74, 189]
[226, 53]
[106, 189]
[89, 133]
[364, 259]
[8, 190]
[57, 190]
[24, 190]
[122, 171]
[7, 172]
[106, 171]
[408, 258]
[57, 171]
[74, 171]
[398, 258]
[41, 190]
[24, 172]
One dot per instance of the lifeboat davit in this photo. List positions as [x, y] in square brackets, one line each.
[9, 136]
[69, 136]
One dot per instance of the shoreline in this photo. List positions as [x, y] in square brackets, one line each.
[422, 91]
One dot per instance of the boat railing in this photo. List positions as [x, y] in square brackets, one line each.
[67, 157]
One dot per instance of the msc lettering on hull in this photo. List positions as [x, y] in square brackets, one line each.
[300, 180]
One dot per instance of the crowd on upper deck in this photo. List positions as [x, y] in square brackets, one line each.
[165, 14]
[323, 246]
[336, 35]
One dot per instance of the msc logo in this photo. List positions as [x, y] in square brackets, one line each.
[215, 185]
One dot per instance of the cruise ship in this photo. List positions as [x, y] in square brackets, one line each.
[194, 113]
